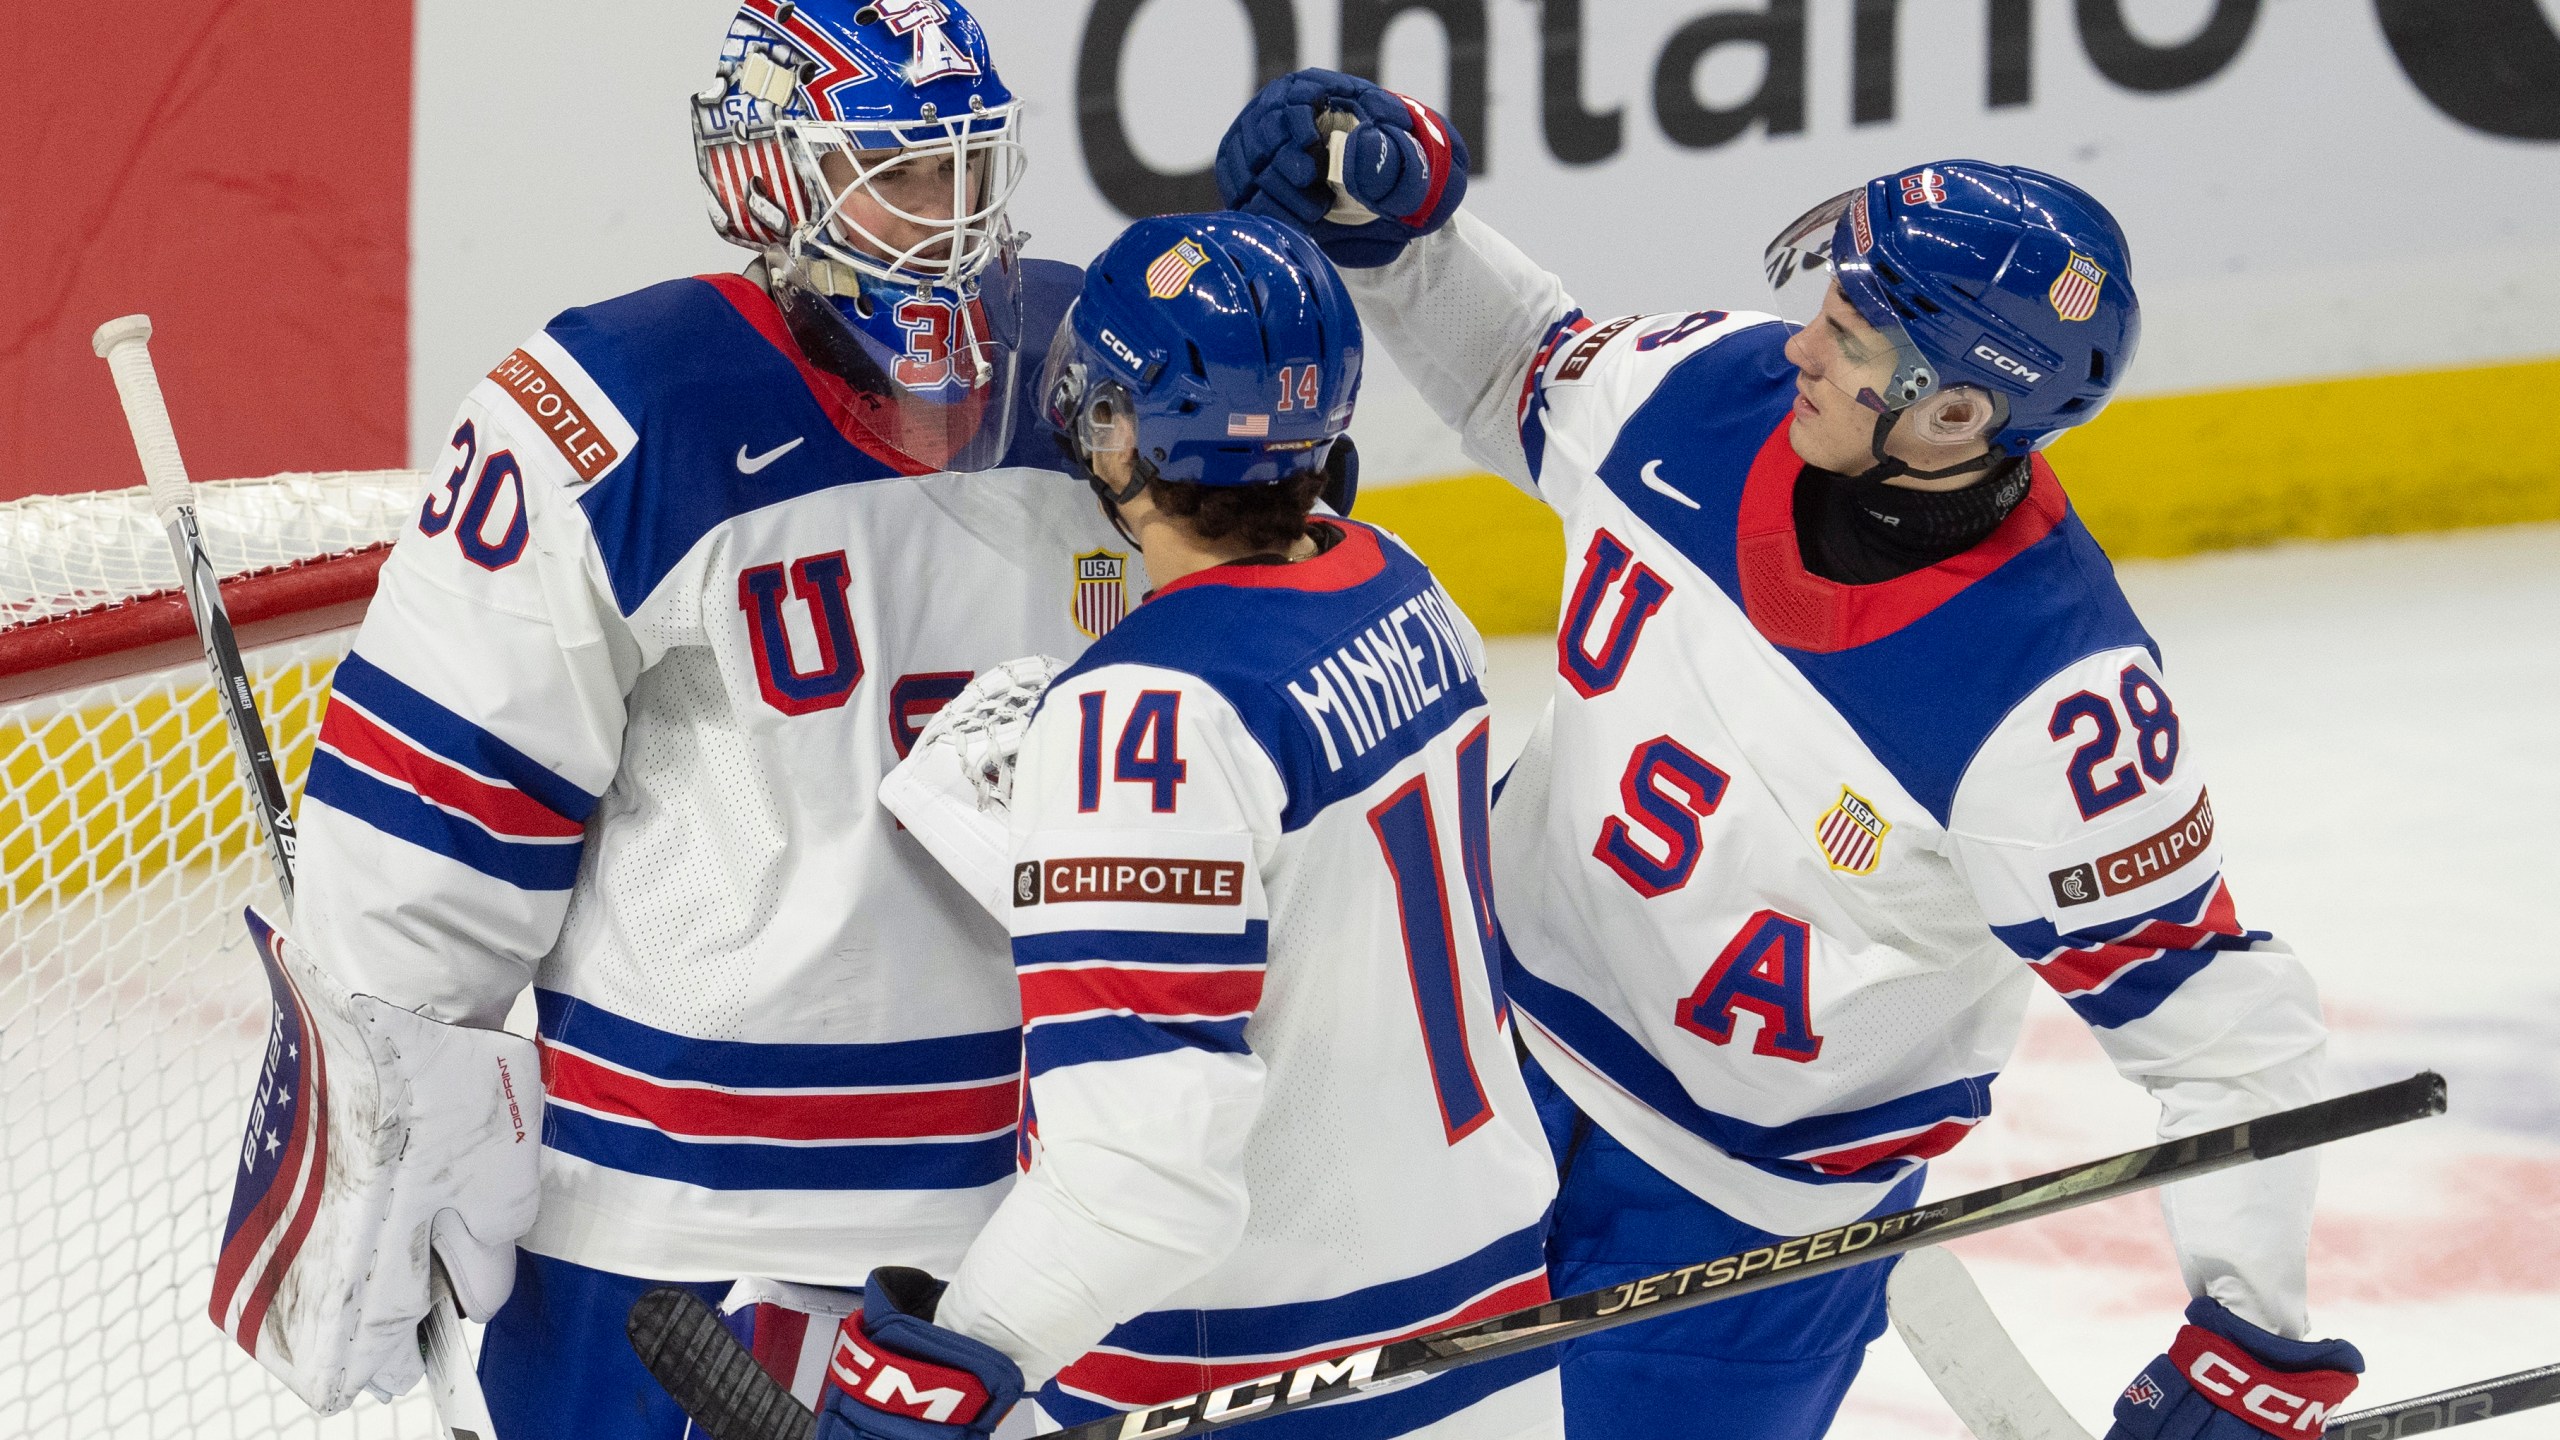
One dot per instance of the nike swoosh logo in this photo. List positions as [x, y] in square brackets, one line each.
[1652, 477]
[750, 464]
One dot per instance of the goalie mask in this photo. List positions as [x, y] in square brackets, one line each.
[867, 149]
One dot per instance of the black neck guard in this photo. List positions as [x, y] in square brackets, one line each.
[1860, 531]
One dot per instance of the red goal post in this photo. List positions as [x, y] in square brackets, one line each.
[132, 1013]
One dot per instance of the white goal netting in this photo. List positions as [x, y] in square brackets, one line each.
[131, 1009]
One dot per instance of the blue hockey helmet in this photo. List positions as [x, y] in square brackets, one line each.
[1222, 349]
[868, 149]
[1998, 277]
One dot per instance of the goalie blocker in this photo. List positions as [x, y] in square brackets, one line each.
[378, 1142]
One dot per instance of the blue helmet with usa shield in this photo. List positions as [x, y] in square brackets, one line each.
[867, 149]
[2005, 279]
[1221, 349]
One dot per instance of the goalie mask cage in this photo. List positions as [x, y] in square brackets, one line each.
[132, 1010]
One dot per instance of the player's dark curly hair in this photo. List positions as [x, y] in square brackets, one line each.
[1267, 517]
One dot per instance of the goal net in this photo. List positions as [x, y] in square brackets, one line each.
[132, 1010]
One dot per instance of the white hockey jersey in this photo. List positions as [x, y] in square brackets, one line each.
[613, 727]
[1274, 1112]
[1778, 867]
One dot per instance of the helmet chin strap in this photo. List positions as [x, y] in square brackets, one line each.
[1112, 500]
[1888, 467]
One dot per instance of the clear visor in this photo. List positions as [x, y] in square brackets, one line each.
[1876, 365]
[1095, 411]
[932, 369]
[909, 203]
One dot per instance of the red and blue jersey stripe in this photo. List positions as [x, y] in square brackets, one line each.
[1533, 389]
[924, 1114]
[2115, 974]
[399, 761]
[1166, 1354]
[1096, 995]
[1868, 1145]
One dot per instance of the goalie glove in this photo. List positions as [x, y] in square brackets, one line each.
[953, 790]
[379, 1142]
[983, 725]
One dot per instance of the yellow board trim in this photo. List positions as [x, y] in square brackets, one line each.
[2168, 475]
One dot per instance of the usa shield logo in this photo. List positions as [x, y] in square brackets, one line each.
[1102, 592]
[2075, 291]
[1851, 834]
[1171, 273]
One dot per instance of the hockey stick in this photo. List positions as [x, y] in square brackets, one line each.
[1967, 1353]
[125, 344]
[2482, 1400]
[1960, 1344]
[713, 1378]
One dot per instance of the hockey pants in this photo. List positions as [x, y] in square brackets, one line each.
[557, 1365]
[1769, 1366]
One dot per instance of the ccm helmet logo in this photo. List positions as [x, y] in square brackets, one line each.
[1120, 347]
[1996, 360]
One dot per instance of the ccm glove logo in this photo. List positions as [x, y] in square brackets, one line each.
[2279, 1402]
[900, 1385]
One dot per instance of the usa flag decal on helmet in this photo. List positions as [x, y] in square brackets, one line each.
[2075, 290]
[1172, 272]
[1102, 592]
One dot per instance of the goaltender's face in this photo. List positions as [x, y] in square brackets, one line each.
[1837, 357]
[902, 205]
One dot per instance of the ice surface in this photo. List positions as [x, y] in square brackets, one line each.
[2378, 722]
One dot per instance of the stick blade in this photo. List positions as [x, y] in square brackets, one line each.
[1961, 1346]
[711, 1375]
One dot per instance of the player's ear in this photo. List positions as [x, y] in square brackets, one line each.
[1958, 415]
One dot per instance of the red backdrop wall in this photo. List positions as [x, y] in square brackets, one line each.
[239, 170]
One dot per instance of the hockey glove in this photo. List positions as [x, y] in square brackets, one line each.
[2225, 1379]
[378, 1140]
[983, 725]
[895, 1375]
[1403, 164]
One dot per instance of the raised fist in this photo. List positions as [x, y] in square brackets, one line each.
[1403, 171]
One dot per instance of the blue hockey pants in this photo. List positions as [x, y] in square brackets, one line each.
[1769, 1366]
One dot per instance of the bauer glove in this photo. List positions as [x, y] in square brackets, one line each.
[895, 1375]
[1403, 166]
[2225, 1379]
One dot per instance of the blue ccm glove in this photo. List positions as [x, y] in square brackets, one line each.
[895, 1375]
[1404, 162]
[2226, 1379]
